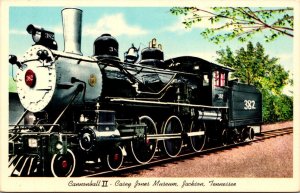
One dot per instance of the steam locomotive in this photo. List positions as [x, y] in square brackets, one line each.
[99, 108]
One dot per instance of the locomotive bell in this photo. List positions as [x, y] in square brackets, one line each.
[131, 55]
[106, 46]
[72, 19]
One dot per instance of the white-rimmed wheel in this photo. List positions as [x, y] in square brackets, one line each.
[251, 134]
[198, 136]
[143, 149]
[225, 137]
[173, 145]
[244, 134]
[235, 136]
[114, 159]
[63, 165]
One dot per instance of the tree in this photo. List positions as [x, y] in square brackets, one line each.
[239, 22]
[12, 85]
[277, 107]
[253, 66]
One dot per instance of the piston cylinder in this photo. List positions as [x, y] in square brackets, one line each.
[210, 115]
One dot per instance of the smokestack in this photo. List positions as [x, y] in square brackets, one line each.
[72, 19]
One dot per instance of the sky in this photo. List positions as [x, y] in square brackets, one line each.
[136, 25]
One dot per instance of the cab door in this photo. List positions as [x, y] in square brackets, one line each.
[219, 88]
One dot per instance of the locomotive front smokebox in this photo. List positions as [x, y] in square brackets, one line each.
[45, 75]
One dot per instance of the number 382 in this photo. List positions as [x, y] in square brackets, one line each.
[249, 104]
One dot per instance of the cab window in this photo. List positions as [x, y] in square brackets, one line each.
[205, 80]
[219, 78]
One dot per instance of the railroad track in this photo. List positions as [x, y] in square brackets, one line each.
[93, 171]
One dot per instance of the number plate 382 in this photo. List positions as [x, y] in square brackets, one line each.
[249, 104]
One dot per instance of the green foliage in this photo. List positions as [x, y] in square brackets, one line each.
[12, 85]
[253, 66]
[268, 113]
[277, 107]
[239, 22]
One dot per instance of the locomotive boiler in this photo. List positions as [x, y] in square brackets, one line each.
[99, 108]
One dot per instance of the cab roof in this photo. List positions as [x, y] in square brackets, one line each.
[194, 64]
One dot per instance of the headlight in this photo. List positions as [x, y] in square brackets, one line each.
[59, 146]
[42, 37]
[32, 142]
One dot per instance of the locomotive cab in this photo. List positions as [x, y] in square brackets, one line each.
[213, 79]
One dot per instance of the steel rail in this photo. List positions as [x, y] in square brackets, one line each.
[126, 169]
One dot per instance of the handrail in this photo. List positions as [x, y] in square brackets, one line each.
[78, 90]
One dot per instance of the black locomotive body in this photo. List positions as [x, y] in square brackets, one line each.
[99, 108]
